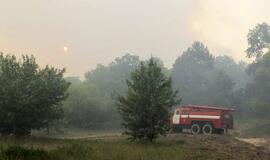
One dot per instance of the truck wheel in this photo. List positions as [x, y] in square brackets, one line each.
[207, 129]
[195, 129]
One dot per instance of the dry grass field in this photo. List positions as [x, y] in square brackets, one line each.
[171, 147]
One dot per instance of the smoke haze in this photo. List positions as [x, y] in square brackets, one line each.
[97, 31]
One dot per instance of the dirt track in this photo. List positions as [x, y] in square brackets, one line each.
[259, 142]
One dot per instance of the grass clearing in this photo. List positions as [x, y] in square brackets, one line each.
[173, 147]
[113, 148]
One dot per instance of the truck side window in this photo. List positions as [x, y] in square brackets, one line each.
[177, 112]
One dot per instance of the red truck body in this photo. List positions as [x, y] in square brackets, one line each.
[202, 119]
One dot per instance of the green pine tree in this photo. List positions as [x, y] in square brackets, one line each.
[145, 108]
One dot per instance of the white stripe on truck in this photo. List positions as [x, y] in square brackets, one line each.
[200, 116]
[203, 116]
[184, 116]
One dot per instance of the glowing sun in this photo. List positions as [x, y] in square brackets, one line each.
[65, 48]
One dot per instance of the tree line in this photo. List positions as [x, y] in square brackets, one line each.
[32, 97]
[199, 77]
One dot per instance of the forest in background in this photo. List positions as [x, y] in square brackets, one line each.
[199, 77]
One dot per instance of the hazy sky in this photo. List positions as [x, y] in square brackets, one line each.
[97, 31]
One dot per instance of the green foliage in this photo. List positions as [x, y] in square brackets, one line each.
[257, 90]
[18, 152]
[145, 108]
[204, 79]
[220, 89]
[111, 149]
[257, 107]
[253, 126]
[111, 79]
[258, 40]
[30, 97]
[84, 108]
[74, 152]
[73, 80]
[91, 104]
[259, 85]
[160, 63]
[191, 71]
[236, 71]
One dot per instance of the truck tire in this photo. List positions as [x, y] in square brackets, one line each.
[207, 129]
[195, 129]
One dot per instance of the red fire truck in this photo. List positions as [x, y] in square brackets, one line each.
[202, 119]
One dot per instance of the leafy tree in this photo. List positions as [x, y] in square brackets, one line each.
[84, 108]
[110, 79]
[220, 90]
[160, 63]
[191, 71]
[91, 104]
[258, 40]
[74, 80]
[258, 88]
[236, 71]
[145, 108]
[256, 108]
[30, 97]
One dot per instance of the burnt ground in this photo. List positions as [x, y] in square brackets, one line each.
[232, 147]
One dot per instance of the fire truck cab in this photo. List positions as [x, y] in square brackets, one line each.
[202, 119]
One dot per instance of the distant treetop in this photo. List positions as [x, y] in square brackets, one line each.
[258, 40]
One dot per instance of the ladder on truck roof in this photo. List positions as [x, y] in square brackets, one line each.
[208, 107]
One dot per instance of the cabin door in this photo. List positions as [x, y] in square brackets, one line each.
[176, 117]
